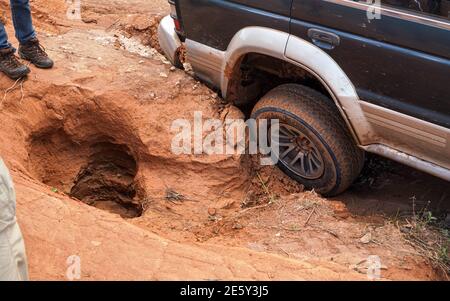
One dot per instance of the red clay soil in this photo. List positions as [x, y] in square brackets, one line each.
[89, 147]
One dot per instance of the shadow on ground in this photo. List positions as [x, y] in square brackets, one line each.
[392, 189]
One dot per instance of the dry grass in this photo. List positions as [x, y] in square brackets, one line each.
[266, 189]
[428, 237]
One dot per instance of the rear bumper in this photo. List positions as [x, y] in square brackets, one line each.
[169, 41]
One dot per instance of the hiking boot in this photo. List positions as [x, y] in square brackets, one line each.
[10, 64]
[34, 52]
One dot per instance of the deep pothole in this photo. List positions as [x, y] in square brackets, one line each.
[99, 172]
[107, 181]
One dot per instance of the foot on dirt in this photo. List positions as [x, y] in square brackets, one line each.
[11, 66]
[34, 52]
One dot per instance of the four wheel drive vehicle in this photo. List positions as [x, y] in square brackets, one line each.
[343, 77]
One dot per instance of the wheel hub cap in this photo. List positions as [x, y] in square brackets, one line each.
[299, 154]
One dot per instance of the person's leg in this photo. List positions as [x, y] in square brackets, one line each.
[9, 64]
[13, 259]
[30, 48]
[23, 24]
[4, 44]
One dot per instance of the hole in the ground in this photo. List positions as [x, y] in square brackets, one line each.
[107, 181]
[98, 172]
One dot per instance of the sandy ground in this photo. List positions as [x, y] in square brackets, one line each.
[104, 114]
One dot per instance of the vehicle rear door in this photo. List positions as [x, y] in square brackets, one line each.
[215, 22]
[398, 59]
[401, 61]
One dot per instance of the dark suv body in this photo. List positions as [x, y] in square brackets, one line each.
[378, 72]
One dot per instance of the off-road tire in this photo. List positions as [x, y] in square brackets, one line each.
[316, 117]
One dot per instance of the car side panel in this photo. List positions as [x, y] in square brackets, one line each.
[215, 22]
[394, 63]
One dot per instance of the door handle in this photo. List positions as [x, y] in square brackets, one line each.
[324, 39]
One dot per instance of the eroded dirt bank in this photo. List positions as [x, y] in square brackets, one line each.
[89, 147]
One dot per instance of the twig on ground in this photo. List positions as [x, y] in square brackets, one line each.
[21, 91]
[252, 208]
[328, 231]
[309, 217]
[266, 189]
[285, 252]
[5, 95]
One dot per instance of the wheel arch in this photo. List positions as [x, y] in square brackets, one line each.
[304, 55]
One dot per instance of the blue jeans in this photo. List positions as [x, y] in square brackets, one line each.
[21, 15]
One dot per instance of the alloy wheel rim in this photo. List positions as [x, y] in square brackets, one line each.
[298, 153]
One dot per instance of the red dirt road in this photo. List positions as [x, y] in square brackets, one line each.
[109, 87]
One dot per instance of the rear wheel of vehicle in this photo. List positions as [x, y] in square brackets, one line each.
[315, 146]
